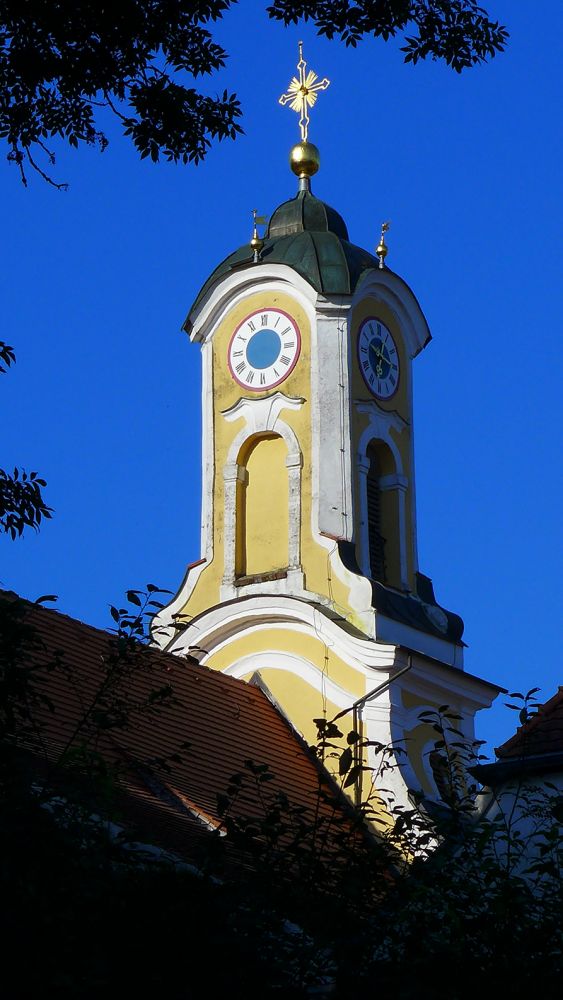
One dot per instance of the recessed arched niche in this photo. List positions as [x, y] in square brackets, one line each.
[382, 507]
[262, 507]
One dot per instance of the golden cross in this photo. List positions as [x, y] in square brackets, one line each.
[302, 93]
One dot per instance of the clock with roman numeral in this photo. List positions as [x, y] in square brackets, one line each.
[378, 358]
[264, 349]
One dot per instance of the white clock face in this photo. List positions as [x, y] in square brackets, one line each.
[378, 358]
[264, 349]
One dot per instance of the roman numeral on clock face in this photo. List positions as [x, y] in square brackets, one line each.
[378, 358]
[264, 349]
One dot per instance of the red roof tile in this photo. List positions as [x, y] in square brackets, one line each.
[204, 732]
[542, 734]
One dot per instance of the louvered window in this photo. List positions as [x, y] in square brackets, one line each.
[376, 540]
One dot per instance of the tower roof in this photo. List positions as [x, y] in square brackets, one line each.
[310, 237]
[305, 213]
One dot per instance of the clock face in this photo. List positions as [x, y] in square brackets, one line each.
[378, 358]
[264, 349]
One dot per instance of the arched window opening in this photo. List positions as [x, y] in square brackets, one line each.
[262, 515]
[376, 540]
[382, 512]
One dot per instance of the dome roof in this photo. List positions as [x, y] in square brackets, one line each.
[310, 237]
[306, 213]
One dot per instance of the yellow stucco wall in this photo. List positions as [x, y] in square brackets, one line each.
[296, 642]
[263, 507]
[398, 403]
[298, 699]
[266, 468]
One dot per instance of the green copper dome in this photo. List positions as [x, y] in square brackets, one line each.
[305, 213]
[309, 237]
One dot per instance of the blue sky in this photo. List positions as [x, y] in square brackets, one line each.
[105, 397]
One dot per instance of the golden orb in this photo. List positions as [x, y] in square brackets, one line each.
[305, 159]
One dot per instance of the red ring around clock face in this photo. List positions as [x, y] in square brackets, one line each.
[378, 358]
[264, 349]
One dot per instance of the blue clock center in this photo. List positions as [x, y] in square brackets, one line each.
[263, 349]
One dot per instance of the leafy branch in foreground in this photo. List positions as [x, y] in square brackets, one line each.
[459, 32]
[437, 901]
[427, 903]
[21, 503]
[117, 701]
[25, 664]
[61, 61]
[7, 356]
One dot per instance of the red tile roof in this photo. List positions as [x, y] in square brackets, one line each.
[542, 734]
[202, 734]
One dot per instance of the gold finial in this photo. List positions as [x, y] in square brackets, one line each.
[304, 160]
[257, 243]
[302, 93]
[382, 249]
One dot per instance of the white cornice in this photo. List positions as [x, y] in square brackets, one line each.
[428, 680]
[204, 319]
[217, 627]
[389, 288]
[390, 630]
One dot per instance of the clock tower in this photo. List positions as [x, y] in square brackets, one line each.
[308, 581]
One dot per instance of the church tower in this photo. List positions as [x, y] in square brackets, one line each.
[308, 581]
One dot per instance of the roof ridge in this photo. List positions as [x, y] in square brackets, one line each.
[533, 725]
[37, 605]
[152, 650]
